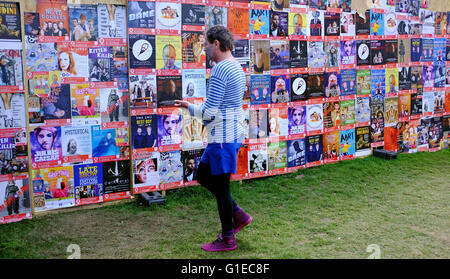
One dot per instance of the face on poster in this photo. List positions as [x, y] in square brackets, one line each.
[332, 49]
[76, 140]
[315, 23]
[279, 54]
[146, 171]
[45, 144]
[348, 24]
[332, 24]
[259, 22]
[295, 153]
[73, 62]
[169, 89]
[278, 24]
[348, 52]
[54, 17]
[376, 23]
[193, 14]
[83, 22]
[13, 201]
[144, 130]
[141, 14]
[332, 84]
[215, 15]
[56, 105]
[11, 73]
[85, 101]
[142, 51]
[314, 117]
[390, 24]
[298, 24]
[168, 16]
[10, 26]
[111, 21]
[280, 88]
[169, 129]
[194, 85]
[104, 142]
[194, 47]
[169, 52]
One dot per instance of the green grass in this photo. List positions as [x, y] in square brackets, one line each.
[332, 211]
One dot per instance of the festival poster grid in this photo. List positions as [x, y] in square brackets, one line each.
[372, 31]
[76, 64]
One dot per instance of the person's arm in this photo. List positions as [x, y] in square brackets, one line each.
[208, 111]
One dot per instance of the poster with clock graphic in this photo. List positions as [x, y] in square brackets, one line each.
[298, 87]
[363, 52]
[142, 51]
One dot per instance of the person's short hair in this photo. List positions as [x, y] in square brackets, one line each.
[223, 35]
[82, 16]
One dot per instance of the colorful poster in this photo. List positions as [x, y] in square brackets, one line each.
[169, 129]
[347, 143]
[169, 53]
[88, 180]
[144, 129]
[54, 17]
[280, 89]
[314, 148]
[83, 22]
[168, 16]
[143, 91]
[362, 144]
[15, 201]
[260, 89]
[10, 26]
[238, 19]
[296, 153]
[259, 22]
[146, 172]
[104, 142]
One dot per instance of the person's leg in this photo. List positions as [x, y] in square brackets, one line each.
[204, 177]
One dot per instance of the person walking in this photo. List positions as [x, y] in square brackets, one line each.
[223, 117]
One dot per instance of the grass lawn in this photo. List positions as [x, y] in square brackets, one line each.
[332, 211]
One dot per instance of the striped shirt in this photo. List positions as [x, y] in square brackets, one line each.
[222, 112]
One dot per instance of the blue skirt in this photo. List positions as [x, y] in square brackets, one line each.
[221, 157]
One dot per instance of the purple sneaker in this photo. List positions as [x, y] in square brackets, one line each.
[228, 243]
[241, 219]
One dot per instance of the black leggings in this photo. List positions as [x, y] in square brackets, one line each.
[219, 186]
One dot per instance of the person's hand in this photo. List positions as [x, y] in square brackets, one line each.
[183, 104]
